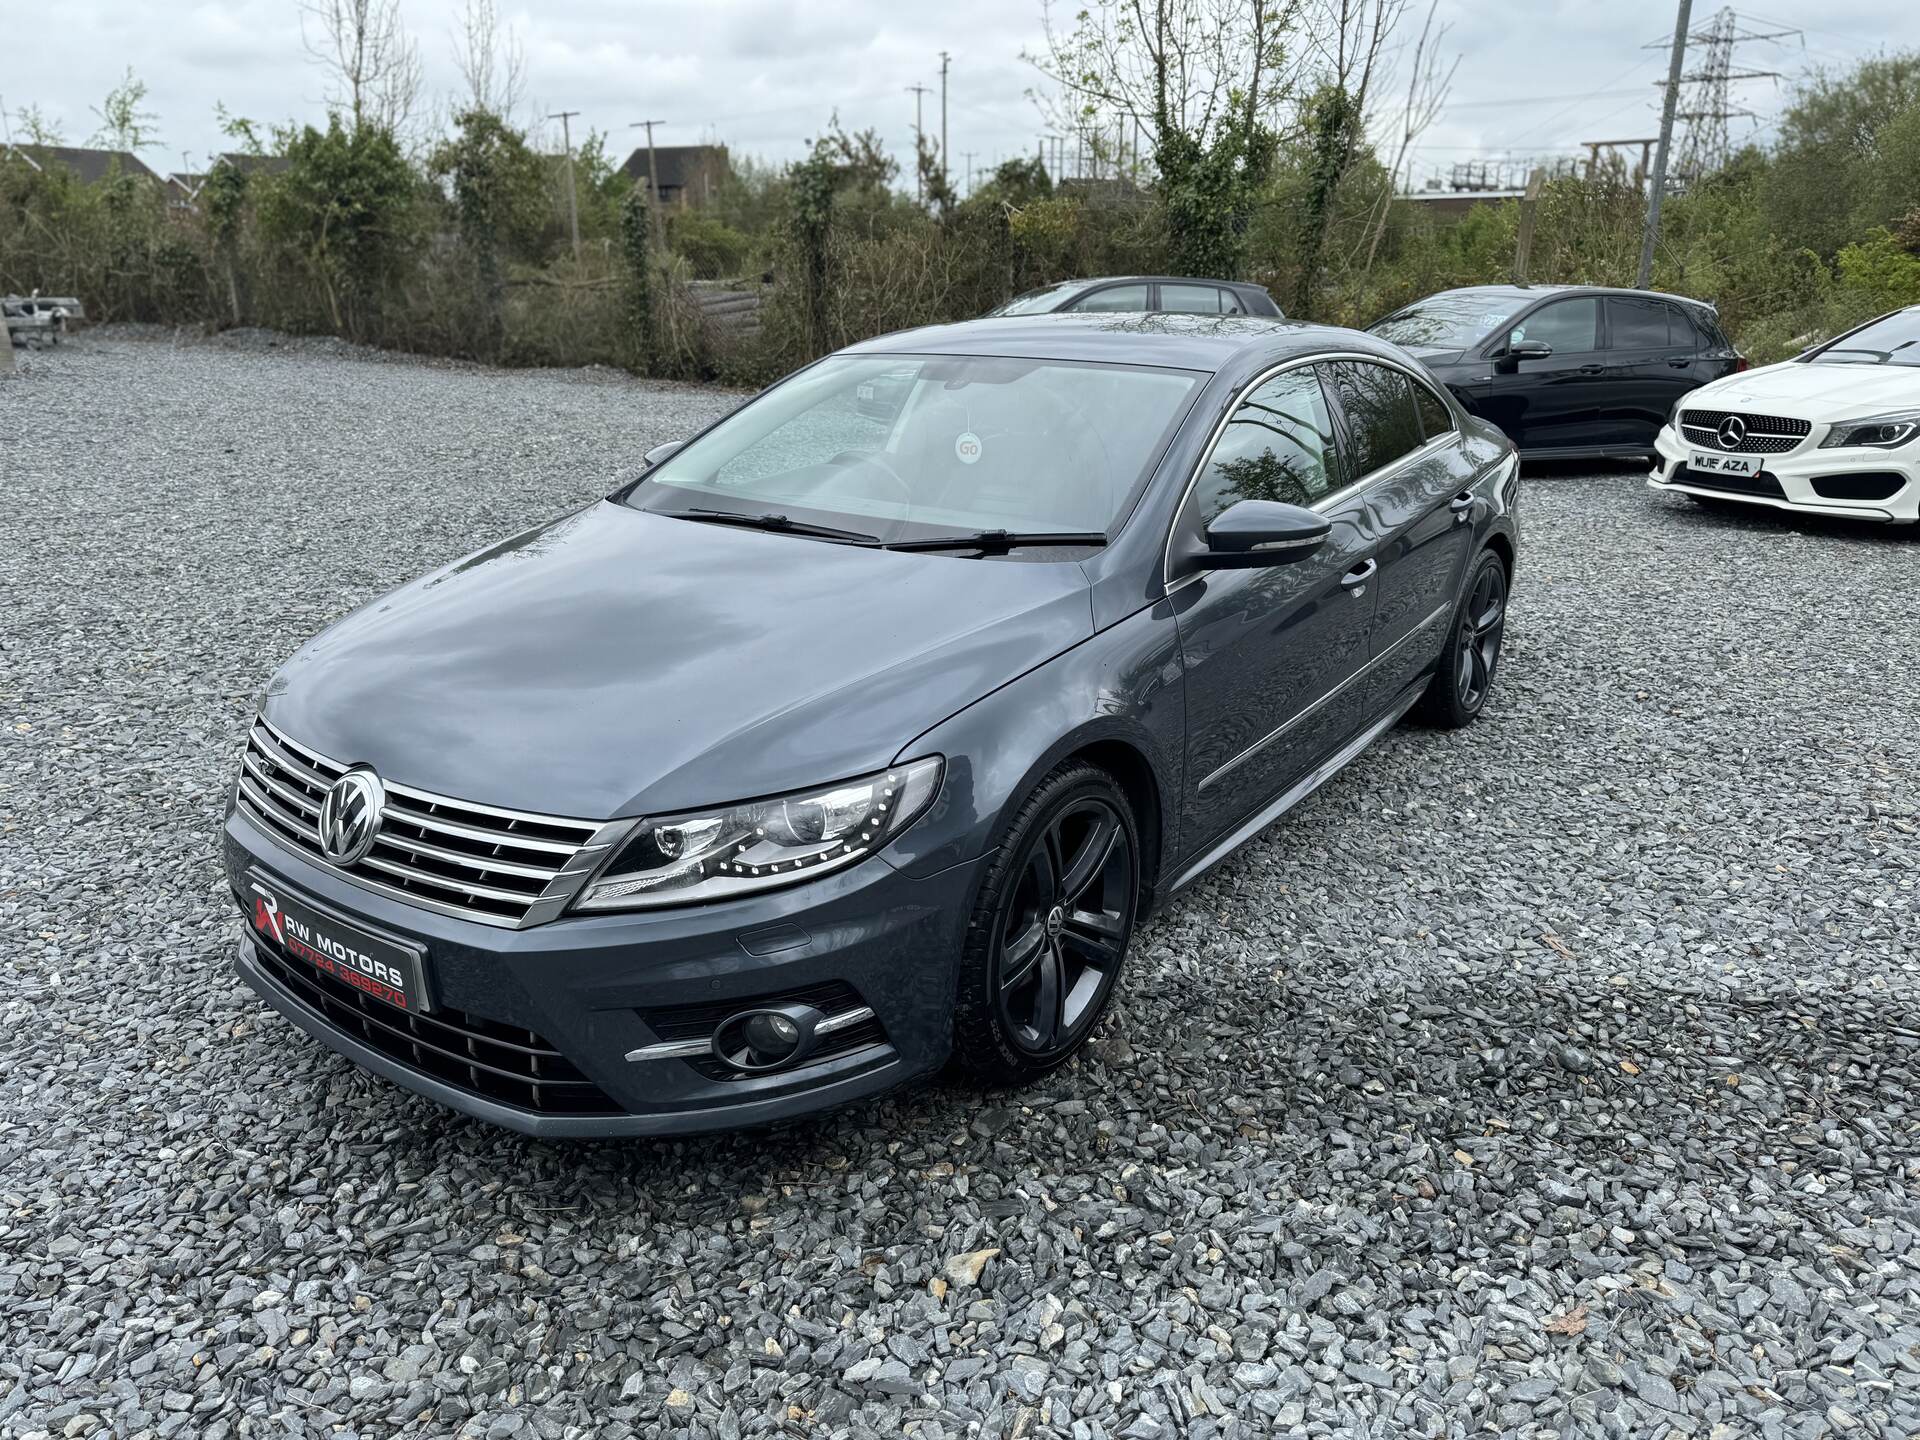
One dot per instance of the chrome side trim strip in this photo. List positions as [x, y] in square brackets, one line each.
[1326, 770]
[1302, 715]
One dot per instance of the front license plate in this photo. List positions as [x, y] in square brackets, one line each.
[377, 968]
[1712, 462]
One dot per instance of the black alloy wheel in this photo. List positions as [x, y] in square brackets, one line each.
[1472, 656]
[1050, 930]
[1482, 622]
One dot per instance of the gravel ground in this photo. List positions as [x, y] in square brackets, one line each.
[1554, 1077]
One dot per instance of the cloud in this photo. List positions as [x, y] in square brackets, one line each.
[764, 75]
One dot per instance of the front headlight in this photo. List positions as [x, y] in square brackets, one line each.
[1876, 432]
[762, 844]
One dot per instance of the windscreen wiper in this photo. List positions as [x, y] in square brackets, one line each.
[784, 524]
[1000, 540]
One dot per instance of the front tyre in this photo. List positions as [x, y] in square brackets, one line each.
[1465, 674]
[1050, 929]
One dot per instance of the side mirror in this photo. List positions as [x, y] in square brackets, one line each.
[1255, 534]
[662, 452]
[1522, 350]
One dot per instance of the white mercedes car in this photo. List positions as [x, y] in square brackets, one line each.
[1835, 431]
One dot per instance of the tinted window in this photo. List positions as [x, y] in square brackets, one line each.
[1645, 325]
[1450, 321]
[1114, 297]
[1190, 299]
[1569, 326]
[1382, 424]
[1435, 418]
[1277, 446]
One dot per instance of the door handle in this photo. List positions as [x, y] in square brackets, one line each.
[1593, 369]
[1356, 579]
[1679, 362]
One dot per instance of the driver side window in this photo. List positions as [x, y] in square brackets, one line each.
[1571, 327]
[1278, 445]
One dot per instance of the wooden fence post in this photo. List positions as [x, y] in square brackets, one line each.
[1523, 248]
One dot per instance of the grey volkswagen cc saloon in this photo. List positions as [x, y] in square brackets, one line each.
[837, 745]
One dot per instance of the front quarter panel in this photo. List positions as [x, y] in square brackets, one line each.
[1123, 686]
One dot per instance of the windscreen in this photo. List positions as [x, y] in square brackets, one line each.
[1891, 340]
[1446, 322]
[903, 447]
[1038, 302]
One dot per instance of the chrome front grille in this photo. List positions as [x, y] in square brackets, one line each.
[1766, 434]
[501, 867]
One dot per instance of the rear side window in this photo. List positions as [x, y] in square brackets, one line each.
[1278, 445]
[1708, 336]
[1190, 299]
[1231, 303]
[1635, 324]
[1382, 423]
[1569, 326]
[1114, 297]
[1435, 417]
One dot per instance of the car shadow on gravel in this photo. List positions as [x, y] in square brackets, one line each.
[1626, 1087]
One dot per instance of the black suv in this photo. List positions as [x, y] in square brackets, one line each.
[1567, 371]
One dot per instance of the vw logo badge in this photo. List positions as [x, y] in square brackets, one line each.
[350, 816]
[1731, 432]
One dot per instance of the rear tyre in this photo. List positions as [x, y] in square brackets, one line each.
[1049, 930]
[1468, 664]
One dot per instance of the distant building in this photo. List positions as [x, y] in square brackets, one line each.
[90, 167]
[251, 165]
[1453, 204]
[685, 174]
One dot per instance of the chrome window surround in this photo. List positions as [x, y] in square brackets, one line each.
[1325, 502]
[285, 815]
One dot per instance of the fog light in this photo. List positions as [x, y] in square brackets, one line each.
[772, 1034]
[757, 1040]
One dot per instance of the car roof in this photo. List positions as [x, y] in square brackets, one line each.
[1539, 292]
[1181, 342]
[1161, 280]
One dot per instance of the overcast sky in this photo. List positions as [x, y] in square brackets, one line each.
[1536, 76]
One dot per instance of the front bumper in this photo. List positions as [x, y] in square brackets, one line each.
[1797, 478]
[577, 995]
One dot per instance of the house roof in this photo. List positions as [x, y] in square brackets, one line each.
[251, 164]
[676, 165]
[89, 166]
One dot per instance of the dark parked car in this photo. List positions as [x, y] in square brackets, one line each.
[829, 748]
[1566, 371]
[1134, 294]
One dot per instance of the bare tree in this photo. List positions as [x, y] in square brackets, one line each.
[374, 62]
[491, 58]
[1185, 66]
[1429, 82]
[125, 123]
[1351, 44]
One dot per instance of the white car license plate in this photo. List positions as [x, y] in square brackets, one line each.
[1712, 462]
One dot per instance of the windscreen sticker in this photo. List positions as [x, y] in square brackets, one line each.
[966, 448]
